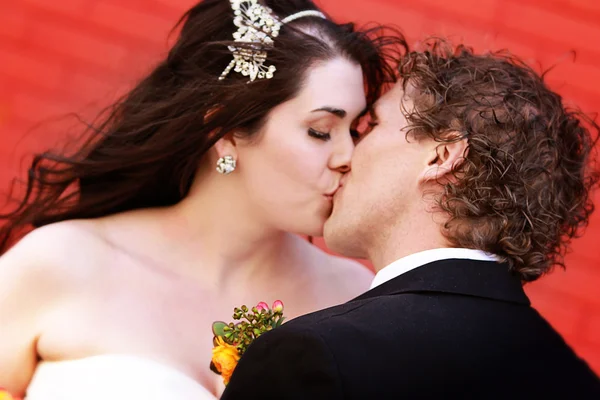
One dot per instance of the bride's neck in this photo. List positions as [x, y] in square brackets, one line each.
[217, 222]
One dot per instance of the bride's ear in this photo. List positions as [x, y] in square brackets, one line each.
[443, 159]
[226, 146]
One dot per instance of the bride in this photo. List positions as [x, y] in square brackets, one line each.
[185, 203]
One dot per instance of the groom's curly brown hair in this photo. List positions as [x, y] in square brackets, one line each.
[523, 190]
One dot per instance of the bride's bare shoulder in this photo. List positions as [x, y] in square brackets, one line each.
[53, 250]
[46, 269]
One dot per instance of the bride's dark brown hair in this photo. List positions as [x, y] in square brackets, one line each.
[146, 148]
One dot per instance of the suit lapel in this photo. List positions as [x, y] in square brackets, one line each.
[484, 279]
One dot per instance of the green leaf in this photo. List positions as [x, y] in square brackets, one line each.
[279, 322]
[217, 328]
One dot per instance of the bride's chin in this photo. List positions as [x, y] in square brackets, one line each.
[314, 230]
[311, 222]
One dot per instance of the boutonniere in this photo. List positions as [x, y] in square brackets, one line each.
[232, 339]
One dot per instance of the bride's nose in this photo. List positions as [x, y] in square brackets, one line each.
[341, 156]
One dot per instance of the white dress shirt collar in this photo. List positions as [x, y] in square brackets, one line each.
[416, 260]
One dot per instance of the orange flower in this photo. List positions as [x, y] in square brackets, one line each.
[225, 358]
[4, 395]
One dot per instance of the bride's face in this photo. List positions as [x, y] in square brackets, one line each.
[293, 166]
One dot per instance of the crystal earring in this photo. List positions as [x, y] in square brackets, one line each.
[226, 165]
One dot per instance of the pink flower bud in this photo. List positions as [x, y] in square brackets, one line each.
[262, 306]
[278, 306]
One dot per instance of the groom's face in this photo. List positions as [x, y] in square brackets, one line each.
[382, 185]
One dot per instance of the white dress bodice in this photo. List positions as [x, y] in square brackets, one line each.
[115, 377]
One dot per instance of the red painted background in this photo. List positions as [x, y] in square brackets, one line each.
[58, 56]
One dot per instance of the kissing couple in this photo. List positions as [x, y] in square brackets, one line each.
[460, 176]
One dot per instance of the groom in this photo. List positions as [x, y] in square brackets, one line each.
[472, 181]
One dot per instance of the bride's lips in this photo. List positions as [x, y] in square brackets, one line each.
[342, 184]
[338, 191]
[331, 195]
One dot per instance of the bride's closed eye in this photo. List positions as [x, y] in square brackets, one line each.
[326, 136]
[318, 135]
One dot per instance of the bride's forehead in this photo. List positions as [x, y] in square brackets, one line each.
[338, 72]
[337, 83]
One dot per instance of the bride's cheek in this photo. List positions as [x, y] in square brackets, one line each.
[311, 172]
[301, 162]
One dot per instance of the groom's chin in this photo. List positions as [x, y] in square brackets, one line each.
[338, 238]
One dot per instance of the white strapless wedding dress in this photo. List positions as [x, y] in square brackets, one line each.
[113, 377]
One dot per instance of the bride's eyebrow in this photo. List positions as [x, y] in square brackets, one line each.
[338, 112]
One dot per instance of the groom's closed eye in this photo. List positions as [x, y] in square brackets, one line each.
[373, 120]
[366, 123]
[359, 125]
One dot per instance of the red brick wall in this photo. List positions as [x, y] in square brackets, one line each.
[75, 55]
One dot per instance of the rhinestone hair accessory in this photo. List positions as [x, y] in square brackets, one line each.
[256, 24]
[302, 14]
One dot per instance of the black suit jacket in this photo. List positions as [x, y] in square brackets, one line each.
[451, 329]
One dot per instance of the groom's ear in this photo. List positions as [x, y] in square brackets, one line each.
[444, 158]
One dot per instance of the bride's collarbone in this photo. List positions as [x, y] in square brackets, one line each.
[122, 320]
[129, 308]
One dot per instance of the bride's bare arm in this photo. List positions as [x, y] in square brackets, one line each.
[31, 284]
